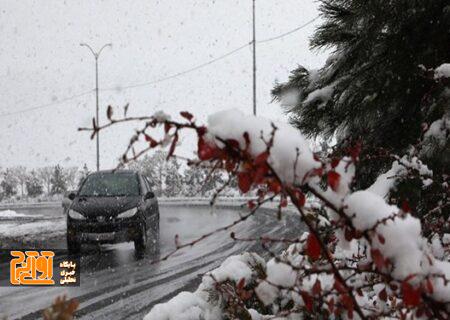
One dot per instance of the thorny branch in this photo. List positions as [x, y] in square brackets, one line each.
[232, 157]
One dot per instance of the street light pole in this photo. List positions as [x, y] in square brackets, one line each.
[96, 55]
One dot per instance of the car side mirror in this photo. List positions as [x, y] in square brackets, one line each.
[149, 195]
[71, 196]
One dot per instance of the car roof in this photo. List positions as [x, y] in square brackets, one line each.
[117, 171]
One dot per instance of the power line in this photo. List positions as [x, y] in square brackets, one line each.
[179, 73]
[130, 86]
[164, 78]
[288, 32]
[47, 104]
[211, 61]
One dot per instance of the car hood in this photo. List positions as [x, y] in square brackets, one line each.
[104, 206]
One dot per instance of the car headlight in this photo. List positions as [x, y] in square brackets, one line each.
[128, 213]
[76, 215]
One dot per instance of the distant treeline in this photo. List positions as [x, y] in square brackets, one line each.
[20, 182]
[168, 178]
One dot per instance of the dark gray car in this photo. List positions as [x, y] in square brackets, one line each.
[110, 207]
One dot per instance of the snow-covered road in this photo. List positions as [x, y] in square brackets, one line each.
[115, 284]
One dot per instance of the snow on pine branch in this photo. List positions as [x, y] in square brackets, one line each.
[400, 169]
[443, 71]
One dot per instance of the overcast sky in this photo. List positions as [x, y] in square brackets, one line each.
[41, 62]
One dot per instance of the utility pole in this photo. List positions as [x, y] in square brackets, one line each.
[254, 58]
[96, 55]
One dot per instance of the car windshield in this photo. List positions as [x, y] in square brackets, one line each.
[110, 185]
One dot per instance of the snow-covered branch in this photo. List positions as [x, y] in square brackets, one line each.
[368, 260]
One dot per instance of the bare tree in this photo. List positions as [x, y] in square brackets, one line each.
[45, 174]
[71, 175]
[21, 173]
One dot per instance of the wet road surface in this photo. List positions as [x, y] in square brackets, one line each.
[115, 283]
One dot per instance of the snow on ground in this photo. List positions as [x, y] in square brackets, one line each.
[11, 214]
[32, 228]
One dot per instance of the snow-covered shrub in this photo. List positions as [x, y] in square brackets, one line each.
[361, 257]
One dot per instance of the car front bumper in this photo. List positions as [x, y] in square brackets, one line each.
[103, 232]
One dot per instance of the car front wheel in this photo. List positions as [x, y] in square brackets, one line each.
[140, 243]
[73, 245]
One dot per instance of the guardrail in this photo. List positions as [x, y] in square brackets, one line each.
[177, 201]
[18, 205]
[235, 201]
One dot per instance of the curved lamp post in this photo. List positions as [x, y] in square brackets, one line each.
[96, 55]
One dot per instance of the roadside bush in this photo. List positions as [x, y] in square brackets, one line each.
[361, 257]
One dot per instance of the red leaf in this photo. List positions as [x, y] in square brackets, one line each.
[205, 150]
[355, 151]
[201, 131]
[167, 127]
[186, 115]
[411, 295]
[335, 162]
[317, 288]
[313, 249]
[405, 207]
[153, 142]
[357, 234]
[381, 239]
[251, 204]
[229, 165]
[300, 198]
[383, 295]
[410, 277]
[308, 300]
[317, 172]
[260, 173]
[274, 186]
[246, 295]
[420, 313]
[233, 143]
[348, 304]
[429, 286]
[350, 313]
[349, 234]
[378, 258]
[330, 304]
[240, 284]
[338, 286]
[261, 158]
[333, 180]
[244, 182]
